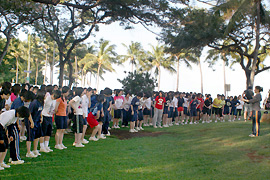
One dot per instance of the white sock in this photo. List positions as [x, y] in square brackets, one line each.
[46, 143]
[41, 145]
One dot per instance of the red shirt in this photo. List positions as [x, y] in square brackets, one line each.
[201, 102]
[159, 102]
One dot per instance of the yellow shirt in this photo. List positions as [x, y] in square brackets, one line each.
[217, 102]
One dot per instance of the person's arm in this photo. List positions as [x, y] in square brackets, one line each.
[255, 99]
[56, 106]
[71, 103]
[31, 121]
[98, 115]
[131, 107]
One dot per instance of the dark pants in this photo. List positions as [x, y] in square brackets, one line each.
[256, 118]
[107, 118]
[14, 145]
[126, 117]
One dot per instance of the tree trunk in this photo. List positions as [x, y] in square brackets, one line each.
[200, 66]
[248, 80]
[90, 80]
[36, 71]
[257, 46]
[44, 79]
[132, 65]
[17, 69]
[61, 70]
[177, 78]
[99, 66]
[28, 62]
[76, 69]
[70, 74]
[52, 66]
[5, 49]
[159, 75]
[224, 74]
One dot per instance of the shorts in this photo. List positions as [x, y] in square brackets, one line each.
[226, 111]
[118, 113]
[172, 114]
[186, 111]
[92, 120]
[140, 115]
[78, 124]
[146, 112]
[233, 111]
[46, 126]
[85, 121]
[165, 110]
[180, 109]
[248, 107]
[61, 122]
[218, 111]
[30, 133]
[199, 111]
[239, 112]
[4, 146]
[193, 112]
[134, 117]
[206, 111]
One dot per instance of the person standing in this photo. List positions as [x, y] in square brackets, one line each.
[256, 113]
[159, 106]
[247, 95]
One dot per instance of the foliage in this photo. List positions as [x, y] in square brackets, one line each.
[138, 82]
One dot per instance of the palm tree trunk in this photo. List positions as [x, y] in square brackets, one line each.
[177, 78]
[200, 66]
[90, 79]
[17, 69]
[52, 66]
[99, 66]
[224, 73]
[36, 71]
[45, 67]
[255, 53]
[159, 75]
[28, 62]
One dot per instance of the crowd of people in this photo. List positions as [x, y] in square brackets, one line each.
[29, 113]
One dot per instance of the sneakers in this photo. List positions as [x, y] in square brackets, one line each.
[109, 128]
[79, 145]
[123, 126]
[4, 165]
[108, 134]
[137, 128]
[131, 131]
[36, 153]
[150, 124]
[171, 124]
[215, 121]
[203, 122]
[160, 126]
[186, 122]
[177, 124]
[191, 123]
[117, 127]
[43, 150]
[141, 128]
[31, 155]
[62, 146]
[84, 141]
[252, 135]
[101, 137]
[239, 119]
[49, 149]
[58, 147]
[155, 126]
[93, 139]
[74, 144]
[17, 162]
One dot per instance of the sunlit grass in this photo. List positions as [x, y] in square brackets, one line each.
[203, 151]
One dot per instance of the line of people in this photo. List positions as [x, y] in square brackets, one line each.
[31, 111]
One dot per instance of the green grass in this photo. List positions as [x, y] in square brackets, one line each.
[203, 151]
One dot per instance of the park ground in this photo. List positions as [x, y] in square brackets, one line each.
[202, 151]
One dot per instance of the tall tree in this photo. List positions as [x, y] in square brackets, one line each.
[134, 55]
[157, 59]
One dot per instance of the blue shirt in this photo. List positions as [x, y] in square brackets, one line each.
[234, 102]
[135, 103]
[36, 109]
[106, 104]
[93, 100]
[98, 107]
[17, 103]
[193, 104]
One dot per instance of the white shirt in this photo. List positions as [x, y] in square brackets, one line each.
[148, 103]
[118, 102]
[241, 105]
[78, 105]
[49, 106]
[185, 102]
[8, 102]
[7, 118]
[142, 101]
[127, 103]
[174, 102]
[85, 104]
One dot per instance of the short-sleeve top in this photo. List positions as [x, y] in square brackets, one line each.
[62, 108]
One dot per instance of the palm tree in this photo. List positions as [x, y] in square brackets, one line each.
[135, 54]
[157, 60]
[103, 59]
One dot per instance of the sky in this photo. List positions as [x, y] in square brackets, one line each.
[189, 78]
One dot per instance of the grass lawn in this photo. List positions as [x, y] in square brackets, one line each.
[202, 151]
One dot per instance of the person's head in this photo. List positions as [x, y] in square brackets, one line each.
[16, 89]
[5, 93]
[6, 85]
[25, 95]
[43, 87]
[160, 93]
[231, 98]
[55, 87]
[107, 92]
[235, 98]
[56, 94]
[249, 87]
[65, 91]
[127, 93]
[31, 88]
[49, 89]
[139, 95]
[79, 91]
[146, 95]
[194, 97]
[258, 89]
[22, 112]
[25, 86]
[40, 96]
[207, 96]
[239, 97]
[120, 92]
[94, 91]
[89, 92]
[222, 97]
[117, 92]
[218, 96]
[35, 90]
[101, 98]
